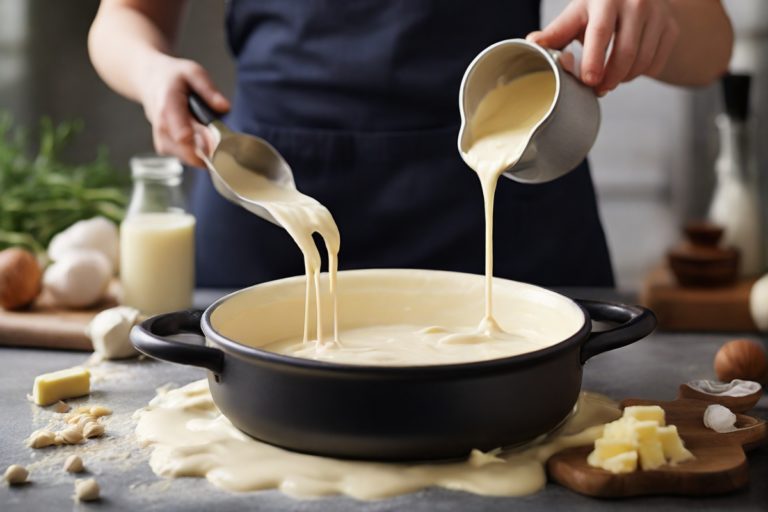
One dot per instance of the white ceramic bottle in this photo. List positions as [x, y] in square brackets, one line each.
[735, 204]
[157, 239]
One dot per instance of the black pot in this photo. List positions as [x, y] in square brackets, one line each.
[392, 413]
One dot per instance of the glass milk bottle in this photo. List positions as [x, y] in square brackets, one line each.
[157, 239]
[735, 204]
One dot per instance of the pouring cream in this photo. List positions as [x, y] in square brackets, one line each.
[501, 127]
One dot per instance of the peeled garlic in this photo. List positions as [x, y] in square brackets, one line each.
[87, 490]
[719, 418]
[74, 464]
[71, 435]
[109, 332]
[41, 439]
[93, 429]
[16, 475]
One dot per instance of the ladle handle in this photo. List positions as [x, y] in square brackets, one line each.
[635, 323]
[151, 337]
[200, 109]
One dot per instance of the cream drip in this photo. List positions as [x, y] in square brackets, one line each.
[300, 216]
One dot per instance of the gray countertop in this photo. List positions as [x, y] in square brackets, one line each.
[652, 368]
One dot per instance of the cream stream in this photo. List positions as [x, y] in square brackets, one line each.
[300, 216]
[501, 128]
[190, 437]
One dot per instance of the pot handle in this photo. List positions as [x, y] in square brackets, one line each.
[150, 337]
[635, 323]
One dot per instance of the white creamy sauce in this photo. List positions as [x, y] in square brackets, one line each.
[191, 438]
[500, 129]
[413, 345]
[300, 216]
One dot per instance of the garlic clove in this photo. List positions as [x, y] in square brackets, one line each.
[720, 419]
[16, 475]
[109, 332]
[74, 464]
[87, 490]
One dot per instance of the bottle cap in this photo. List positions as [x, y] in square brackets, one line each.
[736, 95]
[155, 167]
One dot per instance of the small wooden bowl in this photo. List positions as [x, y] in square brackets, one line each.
[699, 261]
[740, 404]
[697, 266]
[703, 233]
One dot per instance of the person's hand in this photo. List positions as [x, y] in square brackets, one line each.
[644, 33]
[164, 90]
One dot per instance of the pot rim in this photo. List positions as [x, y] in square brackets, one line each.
[254, 353]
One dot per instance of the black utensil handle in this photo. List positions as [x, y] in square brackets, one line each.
[201, 110]
[150, 338]
[635, 322]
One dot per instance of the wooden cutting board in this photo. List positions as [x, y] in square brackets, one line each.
[678, 308]
[720, 465]
[45, 325]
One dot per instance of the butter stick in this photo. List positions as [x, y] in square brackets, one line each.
[51, 387]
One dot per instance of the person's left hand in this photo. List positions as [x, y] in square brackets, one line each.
[644, 34]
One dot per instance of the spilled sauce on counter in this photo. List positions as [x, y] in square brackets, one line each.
[189, 437]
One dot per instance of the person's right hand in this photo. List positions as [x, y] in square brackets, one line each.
[164, 91]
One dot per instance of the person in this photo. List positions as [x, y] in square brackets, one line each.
[361, 99]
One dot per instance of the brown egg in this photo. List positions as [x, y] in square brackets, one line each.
[20, 278]
[741, 359]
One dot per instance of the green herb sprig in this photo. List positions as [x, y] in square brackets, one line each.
[40, 195]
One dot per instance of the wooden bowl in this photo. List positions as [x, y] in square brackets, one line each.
[696, 266]
[703, 233]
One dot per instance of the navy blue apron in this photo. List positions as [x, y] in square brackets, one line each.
[361, 97]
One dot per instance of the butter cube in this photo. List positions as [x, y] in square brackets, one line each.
[646, 413]
[51, 387]
[672, 444]
[622, 463]
[646, 431]
[607, 448]
[618, 429]
[638, 436]
[651, 455]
